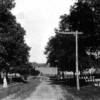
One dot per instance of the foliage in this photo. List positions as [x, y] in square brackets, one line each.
[60, 49]
[13, 49]
[6, 5]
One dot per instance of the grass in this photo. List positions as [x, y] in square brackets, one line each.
[85, 93]
[27, 89]
[88, 92]
[21, 90]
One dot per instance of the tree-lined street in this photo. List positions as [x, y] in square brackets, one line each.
[42, 88]
[37, 89]
[72, 69]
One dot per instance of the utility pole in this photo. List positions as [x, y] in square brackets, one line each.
[76, 52]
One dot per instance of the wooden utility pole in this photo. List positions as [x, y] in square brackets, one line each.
[76, 52]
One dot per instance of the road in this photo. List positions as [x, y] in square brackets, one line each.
[44, 91]
[41, 88]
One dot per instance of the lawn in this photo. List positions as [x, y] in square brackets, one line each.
[21, 90]
[85, 93]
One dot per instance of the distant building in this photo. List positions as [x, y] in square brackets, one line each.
[46, 69]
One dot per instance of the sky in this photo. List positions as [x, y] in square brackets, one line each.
[39, 18]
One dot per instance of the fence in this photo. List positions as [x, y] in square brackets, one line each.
[85, 79]
[92, 79]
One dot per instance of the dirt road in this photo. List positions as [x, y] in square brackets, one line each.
[45, 91]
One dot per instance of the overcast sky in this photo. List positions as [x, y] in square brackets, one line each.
[39, 18]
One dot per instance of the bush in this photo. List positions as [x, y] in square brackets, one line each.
[18, 79]
[34, 72]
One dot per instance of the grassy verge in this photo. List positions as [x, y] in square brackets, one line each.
[20, 89]
[85, 93]
[26, 90]
[88, 92]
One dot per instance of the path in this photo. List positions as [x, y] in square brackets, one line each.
[46, 92]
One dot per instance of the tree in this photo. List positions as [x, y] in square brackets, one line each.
[13, 49]
[60, 49]
[95, 6]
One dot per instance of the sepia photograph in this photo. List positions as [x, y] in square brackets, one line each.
[49, 49]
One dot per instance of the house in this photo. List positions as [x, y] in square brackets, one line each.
[46, 69]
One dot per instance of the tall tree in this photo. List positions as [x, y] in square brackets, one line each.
[13, 49]
[61, 48]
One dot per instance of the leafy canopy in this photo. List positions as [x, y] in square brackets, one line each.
[60, 49]
[14, 51]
